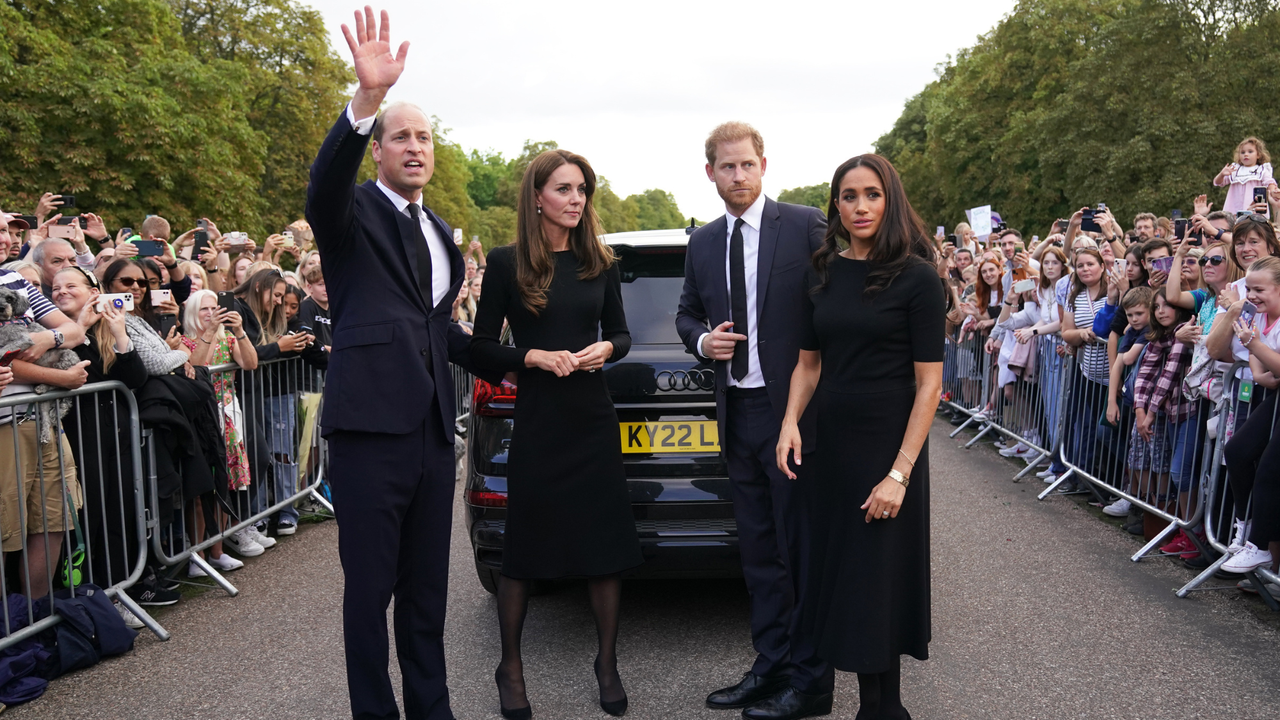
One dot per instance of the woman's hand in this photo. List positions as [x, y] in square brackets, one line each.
[189, 371]
[1244, 333]
[1024, 335]
[233, 321]
[89, 314]
[885, 500]
[294, 342]
[173, 339]
[788, 447]
[1088, 336]
[560, 362]
[1113, 411]
[1189, 333]
[594, 356]
[6, 375]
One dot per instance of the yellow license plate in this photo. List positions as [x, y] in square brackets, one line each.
[682, 436]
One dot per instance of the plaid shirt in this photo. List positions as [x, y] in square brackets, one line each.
[1158, 386]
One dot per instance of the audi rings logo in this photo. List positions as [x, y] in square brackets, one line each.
[677, 380]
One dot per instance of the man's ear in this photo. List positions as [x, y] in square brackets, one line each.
[377, 151]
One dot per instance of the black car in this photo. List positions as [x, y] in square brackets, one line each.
[664, 395]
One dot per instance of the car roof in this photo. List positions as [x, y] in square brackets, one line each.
[648, 238]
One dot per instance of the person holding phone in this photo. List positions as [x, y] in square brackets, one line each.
[1252, 238]
[871, 362]
[158, 355]
[568, 511]
[1250, 171]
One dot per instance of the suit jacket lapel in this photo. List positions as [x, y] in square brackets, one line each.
[457, 268]
[718, 289]
[770, 224]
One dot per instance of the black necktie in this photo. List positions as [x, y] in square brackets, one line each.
[738, 300]
[424, 256]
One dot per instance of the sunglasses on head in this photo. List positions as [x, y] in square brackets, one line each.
[1214, 260]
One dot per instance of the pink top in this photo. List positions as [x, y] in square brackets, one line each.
[1240, 184]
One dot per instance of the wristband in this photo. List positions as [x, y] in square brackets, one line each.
[1035, 331]
[1219, 235]
[903, 480]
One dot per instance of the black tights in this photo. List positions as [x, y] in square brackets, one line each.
[513, 603]
[879, 695]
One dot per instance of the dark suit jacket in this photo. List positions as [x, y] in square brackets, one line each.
[789, 236]
[383, 329]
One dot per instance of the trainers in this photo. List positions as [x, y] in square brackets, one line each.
[1248, 559]
[242, 543]
[258, 537]
[1239, 536]
[1119, 508]
[1048, 475]
[150, 595]
[1181, 543]
[131, 620]
[1018, 451]
[1246, 585]
[1003, 444]
[194, 571]
[286, 528]
[225, 563]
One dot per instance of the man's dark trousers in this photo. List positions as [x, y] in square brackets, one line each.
[393, 495]
[771, 539]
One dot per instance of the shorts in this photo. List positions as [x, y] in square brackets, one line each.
[42, 505]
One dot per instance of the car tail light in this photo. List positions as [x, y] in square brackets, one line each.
[486, 498]
[494, 400]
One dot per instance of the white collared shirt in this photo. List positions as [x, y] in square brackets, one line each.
[752, 219]
[441, 270]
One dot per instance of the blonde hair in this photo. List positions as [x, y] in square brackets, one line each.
[191, 314]
[1269, 265]
[1261, 147]
[191, 267]
[732, 131]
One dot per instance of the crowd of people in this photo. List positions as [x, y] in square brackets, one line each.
[1113, 350]
[188, 324]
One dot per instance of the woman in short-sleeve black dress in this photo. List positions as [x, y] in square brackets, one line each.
[568, 509]
[872, 363]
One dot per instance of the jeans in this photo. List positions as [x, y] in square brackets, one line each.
[1088, 399]
[1187, 440]
[1051, 393]
[279, 425]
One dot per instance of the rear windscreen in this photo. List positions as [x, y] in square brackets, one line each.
[652, 279]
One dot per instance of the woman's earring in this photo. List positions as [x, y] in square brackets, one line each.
[539, 209]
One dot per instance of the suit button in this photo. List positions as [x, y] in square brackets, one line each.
[722, 391]
[424, 352]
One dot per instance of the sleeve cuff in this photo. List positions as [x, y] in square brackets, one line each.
[697, 349]
[85, 260]
[363, 126]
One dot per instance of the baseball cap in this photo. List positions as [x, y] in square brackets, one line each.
[9, 219]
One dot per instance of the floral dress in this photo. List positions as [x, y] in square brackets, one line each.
[225, 388]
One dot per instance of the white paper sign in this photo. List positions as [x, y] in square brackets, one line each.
[980, 221]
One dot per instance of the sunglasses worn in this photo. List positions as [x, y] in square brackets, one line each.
[130, 282]
[1214, 260]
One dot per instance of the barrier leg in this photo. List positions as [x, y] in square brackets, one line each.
[1049, 490]
[981, 433]
[315, 494]
[214, 575]
[1155, 542]
[156, 628]
[1030, 466]
[1202, 577]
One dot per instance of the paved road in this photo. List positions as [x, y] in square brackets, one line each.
[1037, 614]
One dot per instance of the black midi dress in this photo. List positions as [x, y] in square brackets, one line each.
[868, 595]
[568, 510]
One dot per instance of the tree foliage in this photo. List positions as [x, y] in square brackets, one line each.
[812, 195]
[1068, 103]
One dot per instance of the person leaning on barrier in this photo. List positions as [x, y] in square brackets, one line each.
[1253, 452]
[1252, 238]
[215, 336]
[158, 355]
[1084, 301]
[97, 424]
[36, 478]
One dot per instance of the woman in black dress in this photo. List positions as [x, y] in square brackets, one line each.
[568, 511]
[873, 364]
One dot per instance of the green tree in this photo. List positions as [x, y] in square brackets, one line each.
[615, 215]
[656, 210]
[812, 195]
[104, 101]
[295, 85]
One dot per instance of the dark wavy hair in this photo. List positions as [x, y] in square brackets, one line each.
[900, 242]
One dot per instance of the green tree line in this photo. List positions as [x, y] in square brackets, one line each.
[213, 108]
[1067, 103]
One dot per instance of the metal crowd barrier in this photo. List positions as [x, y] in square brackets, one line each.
[1220, 504]
[85, 481]
[276, 409]
[463, 385]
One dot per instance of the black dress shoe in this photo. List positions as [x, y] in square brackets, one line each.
[752, 689]
[790, 704]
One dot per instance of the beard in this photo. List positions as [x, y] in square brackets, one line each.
[739, 202]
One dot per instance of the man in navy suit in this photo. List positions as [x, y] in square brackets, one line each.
[388, 407]
[741, 307]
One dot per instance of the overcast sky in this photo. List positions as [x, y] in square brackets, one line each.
[635, 87]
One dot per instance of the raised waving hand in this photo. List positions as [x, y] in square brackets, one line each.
[376, 69]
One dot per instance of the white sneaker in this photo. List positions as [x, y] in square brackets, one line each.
[194, 571]
[1249, 558]
[243, 544]
[260, 538]
[1002, 444]
[1238, 537]
[1018, 451]
[1119, 508]
[1034, 458]
[286, 528]
[225, 563]
[129, 618]
[1047, 474]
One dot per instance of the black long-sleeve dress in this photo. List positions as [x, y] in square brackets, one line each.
[868, 598]
[568, 511]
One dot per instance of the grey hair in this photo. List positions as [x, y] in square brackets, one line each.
[378, 125]
[37, 254]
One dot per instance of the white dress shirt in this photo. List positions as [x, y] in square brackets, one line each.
[441, 270]
[751, 259]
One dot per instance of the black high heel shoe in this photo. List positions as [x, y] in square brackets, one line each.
[616, 708]
[524, 713]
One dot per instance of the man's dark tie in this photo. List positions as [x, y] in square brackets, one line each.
[424, 256]
[738, 300]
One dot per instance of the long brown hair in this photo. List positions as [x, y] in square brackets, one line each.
[983, 294]
[900, 242]
[271, 317]
[535, 262]
[1077, 286]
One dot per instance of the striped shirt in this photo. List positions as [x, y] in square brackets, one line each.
[40, 305]
[1091, 356]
